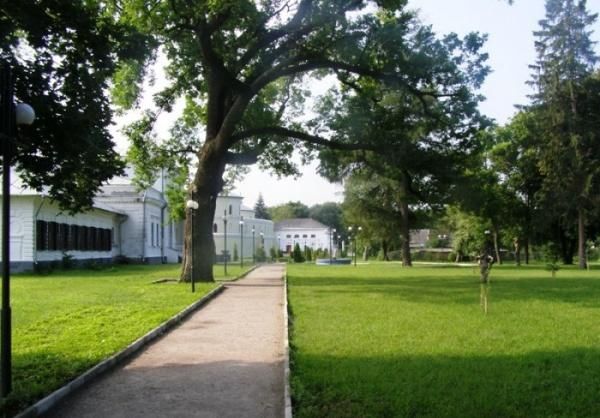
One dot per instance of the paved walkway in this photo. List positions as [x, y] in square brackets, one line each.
[226, 360]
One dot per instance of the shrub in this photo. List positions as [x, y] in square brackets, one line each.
[67, 261]
[297, 255]
[261, 255]
[235, 252]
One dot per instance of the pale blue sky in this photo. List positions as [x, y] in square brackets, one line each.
[511, 50]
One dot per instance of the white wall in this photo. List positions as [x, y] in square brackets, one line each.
[21, 228]
[304, 237]
[234, 232]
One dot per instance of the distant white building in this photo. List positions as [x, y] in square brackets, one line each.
[305, 232]
[241, 223]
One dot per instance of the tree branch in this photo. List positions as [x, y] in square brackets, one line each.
[286, 133]
[243, 158]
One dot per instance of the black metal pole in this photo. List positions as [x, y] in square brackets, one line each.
[330, 255]
[242, 245]
[192, 248]
[7, 119]
[354, 251]
[225, 241]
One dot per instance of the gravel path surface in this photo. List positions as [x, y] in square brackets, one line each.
[226, 360]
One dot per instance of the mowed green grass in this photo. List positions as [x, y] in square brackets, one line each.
[66, 322]
[383, 341]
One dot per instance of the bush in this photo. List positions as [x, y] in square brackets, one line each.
[261, 255]
[121, 259]
[273, 254]
[67, 261]
[308, 253]
[297, 255]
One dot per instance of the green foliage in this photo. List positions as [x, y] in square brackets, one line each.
[289, 210]
[260, 209]
[68, 261]
[236, 256]
[382, 341]
[330, 214]
[274, 253]
[307, 253]
[297, 255]
[566, 100]
[65, 78]
[261, 255]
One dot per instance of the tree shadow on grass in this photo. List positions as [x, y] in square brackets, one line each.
[538, 384]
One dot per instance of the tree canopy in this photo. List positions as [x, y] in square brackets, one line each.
[62, 55]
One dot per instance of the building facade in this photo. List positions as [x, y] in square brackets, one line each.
[305, 232]
[124, 222]
[236, 227]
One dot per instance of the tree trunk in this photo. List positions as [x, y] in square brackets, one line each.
[384, 247]
[526, 250]
[496, 248]
[405, 227]
[405, 234]
[566, 247]
[517, 245]
[581, 253]
[199, 249]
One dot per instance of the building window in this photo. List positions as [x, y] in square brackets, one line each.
[230, 209]
[313, 236]
[288, 236]
[304, 236]
[296, 236]
[215, 228]
[41, 234]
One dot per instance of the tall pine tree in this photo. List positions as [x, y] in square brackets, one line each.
[562, 73]
[260, 209]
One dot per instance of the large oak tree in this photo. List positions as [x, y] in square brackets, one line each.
[241, 67]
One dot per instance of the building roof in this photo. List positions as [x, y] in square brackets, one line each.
[299, 223]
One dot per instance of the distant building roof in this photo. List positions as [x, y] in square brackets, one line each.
[246, 208]
[299, 223]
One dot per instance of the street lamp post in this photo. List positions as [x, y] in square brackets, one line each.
[353, 233]
[253, 247]
[10, 117]
[262, 241]
[225, 240]
[331, 232]
[278, 246]
[192, 205]
[242, 242]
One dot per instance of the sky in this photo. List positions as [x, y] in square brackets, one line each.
[510, 47]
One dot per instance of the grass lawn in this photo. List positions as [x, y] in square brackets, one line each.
[68, 321]
[383, 341]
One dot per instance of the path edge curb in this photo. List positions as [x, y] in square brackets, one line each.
[241, 276]
[44, 405]
[286, 349]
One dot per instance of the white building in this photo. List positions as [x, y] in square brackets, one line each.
[244, 232]
[305, 232]
[123, 222]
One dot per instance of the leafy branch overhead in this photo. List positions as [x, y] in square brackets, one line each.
[245, 67]
[242, 70]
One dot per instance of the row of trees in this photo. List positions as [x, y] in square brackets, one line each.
[533, 181]
[401, 125]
